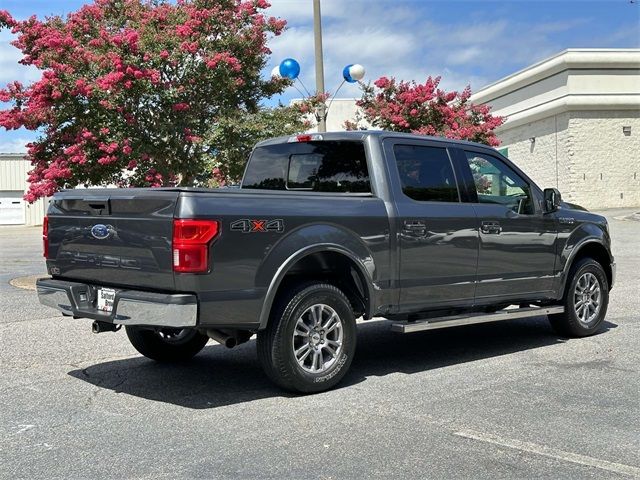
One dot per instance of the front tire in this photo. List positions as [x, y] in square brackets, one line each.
[166, 344]
[310, 340]
[585, 301]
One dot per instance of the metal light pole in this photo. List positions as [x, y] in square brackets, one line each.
[317, 35]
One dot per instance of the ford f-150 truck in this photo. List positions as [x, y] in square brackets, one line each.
[324, 229]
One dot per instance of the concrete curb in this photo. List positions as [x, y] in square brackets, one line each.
[632, 217]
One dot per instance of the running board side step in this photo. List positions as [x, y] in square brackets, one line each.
[473, 318]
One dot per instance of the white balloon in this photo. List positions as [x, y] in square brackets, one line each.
[275, 73]
[356, 71]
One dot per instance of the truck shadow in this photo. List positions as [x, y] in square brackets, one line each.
[219, 376]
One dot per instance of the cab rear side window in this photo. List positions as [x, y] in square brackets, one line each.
[426, 173]
[323, 166]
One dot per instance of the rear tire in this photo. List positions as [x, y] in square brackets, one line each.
[166, 344]
[310, 340]
[585, 300]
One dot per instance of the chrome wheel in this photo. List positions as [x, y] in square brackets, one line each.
[587, 298]
[317, 338]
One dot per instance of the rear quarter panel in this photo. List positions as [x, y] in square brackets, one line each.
[244, 263]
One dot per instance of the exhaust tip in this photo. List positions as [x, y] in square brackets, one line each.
[99, 327]
[223, 338]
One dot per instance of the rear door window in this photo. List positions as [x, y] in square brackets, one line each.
[426, 173]
[322, 166]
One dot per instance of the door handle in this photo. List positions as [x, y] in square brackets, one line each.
[491, 228]
[415, 228]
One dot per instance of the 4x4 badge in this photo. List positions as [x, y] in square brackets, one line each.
[248, 225]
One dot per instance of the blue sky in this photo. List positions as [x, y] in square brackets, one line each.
[466, 42]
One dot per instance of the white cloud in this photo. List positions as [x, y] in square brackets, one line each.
[386, 37]
[16, 145]
[302, 10]
[406, 40]
[464, 55]
[10, 69]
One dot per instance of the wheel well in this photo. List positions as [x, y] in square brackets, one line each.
[334, 268]
[599, 254]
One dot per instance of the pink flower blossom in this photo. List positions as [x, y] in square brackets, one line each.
[107, 159]
[426, 109]
[181, 107]
[103, 69]
[191, 47]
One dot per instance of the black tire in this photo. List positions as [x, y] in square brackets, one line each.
[276, 343]
[568, 323]
[167, 344]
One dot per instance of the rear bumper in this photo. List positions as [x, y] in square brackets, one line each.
[130, 307]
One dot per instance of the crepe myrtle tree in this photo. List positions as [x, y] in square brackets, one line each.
[235, 136]
[133, 91]
[425, 109]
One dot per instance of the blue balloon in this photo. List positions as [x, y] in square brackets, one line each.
[346, 74]
[289, 68]
[352, 73]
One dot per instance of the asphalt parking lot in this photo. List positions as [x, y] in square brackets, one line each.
[510, 400]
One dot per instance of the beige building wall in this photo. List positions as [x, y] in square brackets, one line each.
[340, 110]
[585, 154]
[13, 178]
[565, 124]
[536, 146]
[603, 161]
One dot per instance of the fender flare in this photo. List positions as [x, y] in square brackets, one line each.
[300, 254]
[572, 256]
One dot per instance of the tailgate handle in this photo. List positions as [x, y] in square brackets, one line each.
[99, 207]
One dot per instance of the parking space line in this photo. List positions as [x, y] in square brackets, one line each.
[550, 452]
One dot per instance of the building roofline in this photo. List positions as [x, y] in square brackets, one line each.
[619, 58]
[573, 103]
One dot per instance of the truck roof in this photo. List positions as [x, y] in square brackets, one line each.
[362, 134]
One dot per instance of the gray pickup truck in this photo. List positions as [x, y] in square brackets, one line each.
[326, 228]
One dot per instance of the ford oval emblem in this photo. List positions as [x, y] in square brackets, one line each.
[101, 232]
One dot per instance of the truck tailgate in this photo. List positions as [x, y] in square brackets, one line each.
[113, 236]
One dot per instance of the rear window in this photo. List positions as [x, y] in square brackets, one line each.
[324, 166]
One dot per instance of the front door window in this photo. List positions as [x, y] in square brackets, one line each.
[496, 182]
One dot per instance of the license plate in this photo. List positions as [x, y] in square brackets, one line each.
[106, 296]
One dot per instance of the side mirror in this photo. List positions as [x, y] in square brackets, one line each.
[552, 199]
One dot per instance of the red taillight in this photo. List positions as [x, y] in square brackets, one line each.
[191, 239]
[45, 236]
